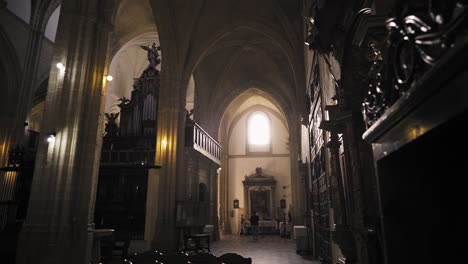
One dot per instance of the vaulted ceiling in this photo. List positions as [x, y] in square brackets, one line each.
[227, 47]
[231, 46]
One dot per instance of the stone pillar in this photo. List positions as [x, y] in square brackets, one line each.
[171, 128]
[296, 185]
[59, 227]
[213, 176]
[189, 170]
[224, 195]
[216, 202]
[195, 176]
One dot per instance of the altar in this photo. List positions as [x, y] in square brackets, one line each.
[264, 227]
[259, 194]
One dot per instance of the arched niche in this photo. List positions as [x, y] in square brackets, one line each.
[259, 194]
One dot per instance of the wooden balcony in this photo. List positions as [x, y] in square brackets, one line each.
[200, 140]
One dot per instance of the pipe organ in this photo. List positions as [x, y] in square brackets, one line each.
[127, 156]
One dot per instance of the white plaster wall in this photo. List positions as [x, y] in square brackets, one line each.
[238, 138]
[275, 164]
[280, 135]
[52, 23]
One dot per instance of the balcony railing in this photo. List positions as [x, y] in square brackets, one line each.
[200, 140]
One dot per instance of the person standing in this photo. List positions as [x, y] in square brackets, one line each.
[254, 224]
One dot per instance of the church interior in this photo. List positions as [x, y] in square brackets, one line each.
[151, 131]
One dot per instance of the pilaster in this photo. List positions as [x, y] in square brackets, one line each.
[59, 226]
[224, 195]
[171, 129]
[297, 203]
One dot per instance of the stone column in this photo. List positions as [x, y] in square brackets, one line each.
[216, 202]
[171, 128]
[9, 82]
[195, 176]
[224, 195]
[213, 176]
[59, 227]
[296, 185]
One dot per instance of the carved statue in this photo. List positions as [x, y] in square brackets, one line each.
[112, 129]
[111, 117]
[153, 55]
[258, 170]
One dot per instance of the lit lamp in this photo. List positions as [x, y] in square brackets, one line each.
[51, 137]
[60, 66]
[109, 78]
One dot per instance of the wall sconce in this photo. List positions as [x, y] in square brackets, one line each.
[51, 137]
[109, 78]
[164, 143]
[236, 203]
[60, 66]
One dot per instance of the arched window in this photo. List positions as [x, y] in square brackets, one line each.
[259, 129]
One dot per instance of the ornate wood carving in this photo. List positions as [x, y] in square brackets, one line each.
[418, 37]
[127, 155]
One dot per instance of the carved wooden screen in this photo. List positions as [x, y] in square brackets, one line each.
[320, 187]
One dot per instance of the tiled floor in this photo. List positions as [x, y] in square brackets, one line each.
[269, 249]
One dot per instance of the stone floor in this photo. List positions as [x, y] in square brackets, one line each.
[268, 249]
